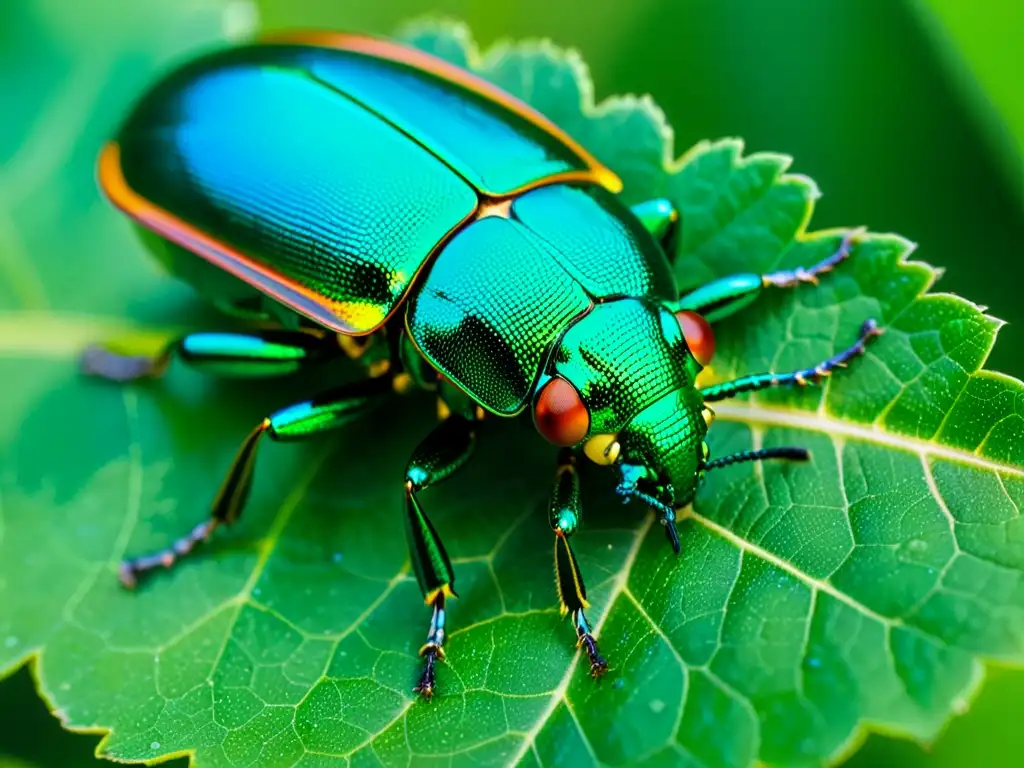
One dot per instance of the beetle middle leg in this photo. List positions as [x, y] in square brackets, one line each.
[443, 452]
[262, 353]
[660, 217]
[332, 409]
[566, 514]
[727, 295]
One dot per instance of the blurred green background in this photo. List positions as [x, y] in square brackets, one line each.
[908, 113]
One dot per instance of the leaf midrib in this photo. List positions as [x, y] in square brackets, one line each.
[753, 413]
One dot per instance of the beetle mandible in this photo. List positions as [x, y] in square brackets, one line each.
[418, 218]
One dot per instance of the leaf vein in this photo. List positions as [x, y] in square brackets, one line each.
[830, 425]
[786, 566]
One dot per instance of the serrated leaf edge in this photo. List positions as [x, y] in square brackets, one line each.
[671, 164]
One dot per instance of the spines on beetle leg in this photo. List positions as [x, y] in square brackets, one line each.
[789, 277]
[227, 506]
[869, 331]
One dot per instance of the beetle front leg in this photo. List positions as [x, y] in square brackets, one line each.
[566, 514]
[726, 296]
[296, 422]
[868, 331]
[444, 451]
[264, 353]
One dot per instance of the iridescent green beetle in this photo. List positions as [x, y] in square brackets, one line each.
[383, 204]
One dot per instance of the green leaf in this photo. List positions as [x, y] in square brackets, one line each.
[812, 600]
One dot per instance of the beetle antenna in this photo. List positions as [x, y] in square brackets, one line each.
[792, 453]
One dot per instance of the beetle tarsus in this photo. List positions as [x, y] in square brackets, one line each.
[790, 278]
[431, 653]
[106, 364]
[868, 331]
[130, 570]
[598, 666]
[432, 650]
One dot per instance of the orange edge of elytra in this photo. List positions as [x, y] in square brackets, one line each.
[391, 51]
[172, 228]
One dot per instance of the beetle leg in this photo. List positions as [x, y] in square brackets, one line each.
[444, 451]
[566, 514]
[327, 411]
[660, 217]
[727, 295]
[272, 352]
[869, 330]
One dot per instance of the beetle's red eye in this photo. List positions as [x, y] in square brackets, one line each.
[560, 414]
[699, 336]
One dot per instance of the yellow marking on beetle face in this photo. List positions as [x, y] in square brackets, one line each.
[708, 414]
[602, 449]
[706, 378]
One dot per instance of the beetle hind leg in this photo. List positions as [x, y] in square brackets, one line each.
[296, 422]
[264, 353]
[227, 506]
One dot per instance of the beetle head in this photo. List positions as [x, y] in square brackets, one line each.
[621, 383]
